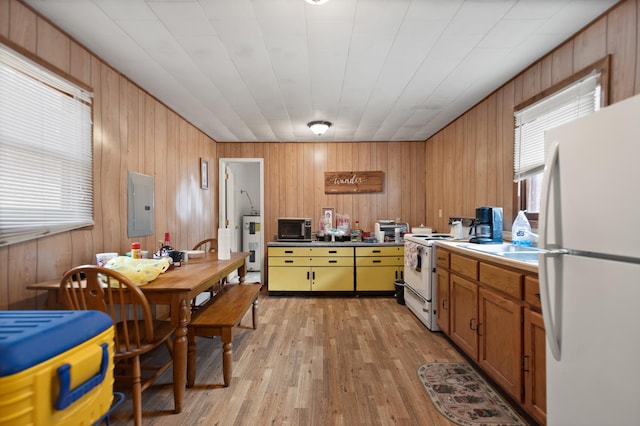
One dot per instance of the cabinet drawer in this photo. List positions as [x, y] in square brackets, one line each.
[464, 266]
[289, 251]
[379, 261]
[331, 251]
[380, 251]
[504, 280]
[442, 258]
[289, 261]
[332, 261]
[532, 291]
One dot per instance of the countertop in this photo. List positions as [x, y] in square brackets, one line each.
[332, 244]
[456, 246]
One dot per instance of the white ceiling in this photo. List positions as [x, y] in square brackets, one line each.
[379, 70]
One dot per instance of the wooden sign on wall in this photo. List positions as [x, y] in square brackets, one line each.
[349, 182]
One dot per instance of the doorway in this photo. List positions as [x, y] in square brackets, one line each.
[241, 205]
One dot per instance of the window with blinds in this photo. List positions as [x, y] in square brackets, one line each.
[575, 100]
[46, 155]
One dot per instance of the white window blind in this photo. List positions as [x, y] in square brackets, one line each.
[46, 166]
[576, 100]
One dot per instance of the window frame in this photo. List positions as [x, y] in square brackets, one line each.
[65, 90]
[603, 67]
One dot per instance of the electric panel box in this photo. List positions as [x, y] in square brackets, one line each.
[56, 367]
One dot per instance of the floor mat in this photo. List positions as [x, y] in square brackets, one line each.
[464, 397]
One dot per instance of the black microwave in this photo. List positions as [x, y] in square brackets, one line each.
[294, 229]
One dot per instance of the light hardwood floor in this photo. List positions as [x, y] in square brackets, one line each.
[312, 361]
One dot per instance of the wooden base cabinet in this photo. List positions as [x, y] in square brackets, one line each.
[444, 300]
[500, 340]
[492, 313]
[534, 364]
[464, 314]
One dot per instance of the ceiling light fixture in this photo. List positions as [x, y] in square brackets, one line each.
[319, 127]
[316, 2]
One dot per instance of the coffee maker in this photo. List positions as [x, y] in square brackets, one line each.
[488, 225]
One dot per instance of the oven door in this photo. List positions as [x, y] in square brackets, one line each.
[417, 270]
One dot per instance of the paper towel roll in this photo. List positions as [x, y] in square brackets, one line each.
[224, 243]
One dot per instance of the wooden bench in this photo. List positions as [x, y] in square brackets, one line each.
[218, 317]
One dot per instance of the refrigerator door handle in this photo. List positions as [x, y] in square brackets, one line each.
[551, 324]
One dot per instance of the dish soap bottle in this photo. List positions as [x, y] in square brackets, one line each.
[521, 230]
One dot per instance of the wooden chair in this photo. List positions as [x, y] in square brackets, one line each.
[136, 332]
[209, 245]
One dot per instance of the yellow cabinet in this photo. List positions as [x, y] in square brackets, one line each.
[310, 268]
[377, 268]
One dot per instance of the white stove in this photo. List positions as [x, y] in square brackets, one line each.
[420, 293]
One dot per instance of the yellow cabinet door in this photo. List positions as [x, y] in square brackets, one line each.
[332, 278]
[289, 278]
[377, 278]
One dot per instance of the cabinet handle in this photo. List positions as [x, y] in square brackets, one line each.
[376, 251]
[288, 261]
[525, 363]
[471, 326]
[376, 261]
[445, 302]
[307, 274]
[333, 261]
[313, 275]
[288, 251]
[478, 329]
[333, 251]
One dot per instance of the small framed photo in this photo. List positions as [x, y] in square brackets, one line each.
[327, 215]
[204, 174]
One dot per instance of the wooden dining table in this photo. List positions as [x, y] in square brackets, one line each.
[176, 288]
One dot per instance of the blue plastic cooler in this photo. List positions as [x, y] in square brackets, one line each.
[56, 367]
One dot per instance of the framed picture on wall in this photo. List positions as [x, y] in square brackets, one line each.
[204, 174]
[327, 215]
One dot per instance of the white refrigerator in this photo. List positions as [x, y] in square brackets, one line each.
[590, 279]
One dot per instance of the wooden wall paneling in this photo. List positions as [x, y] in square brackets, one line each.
[622, 38]
[483, 161]
[362, 203]
[508, 122]
[457, 142]
[110, 154]
[494, 153]
[23, 261]
[80, 63]
[562, 62]
[98, 239]
[271, 197]
[52, 45]
[4, 267]
[282, 174]
[55, 259]
[407, 181]
[162, 160]
[496, 134]
[590, 45]
[309, 181]
[546, 81]
[531, 81]
[23, 26]
[436, 184]
[447, 173]
[4, 31]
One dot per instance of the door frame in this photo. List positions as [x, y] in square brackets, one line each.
[222, 198]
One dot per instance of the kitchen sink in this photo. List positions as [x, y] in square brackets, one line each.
[521, 253]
